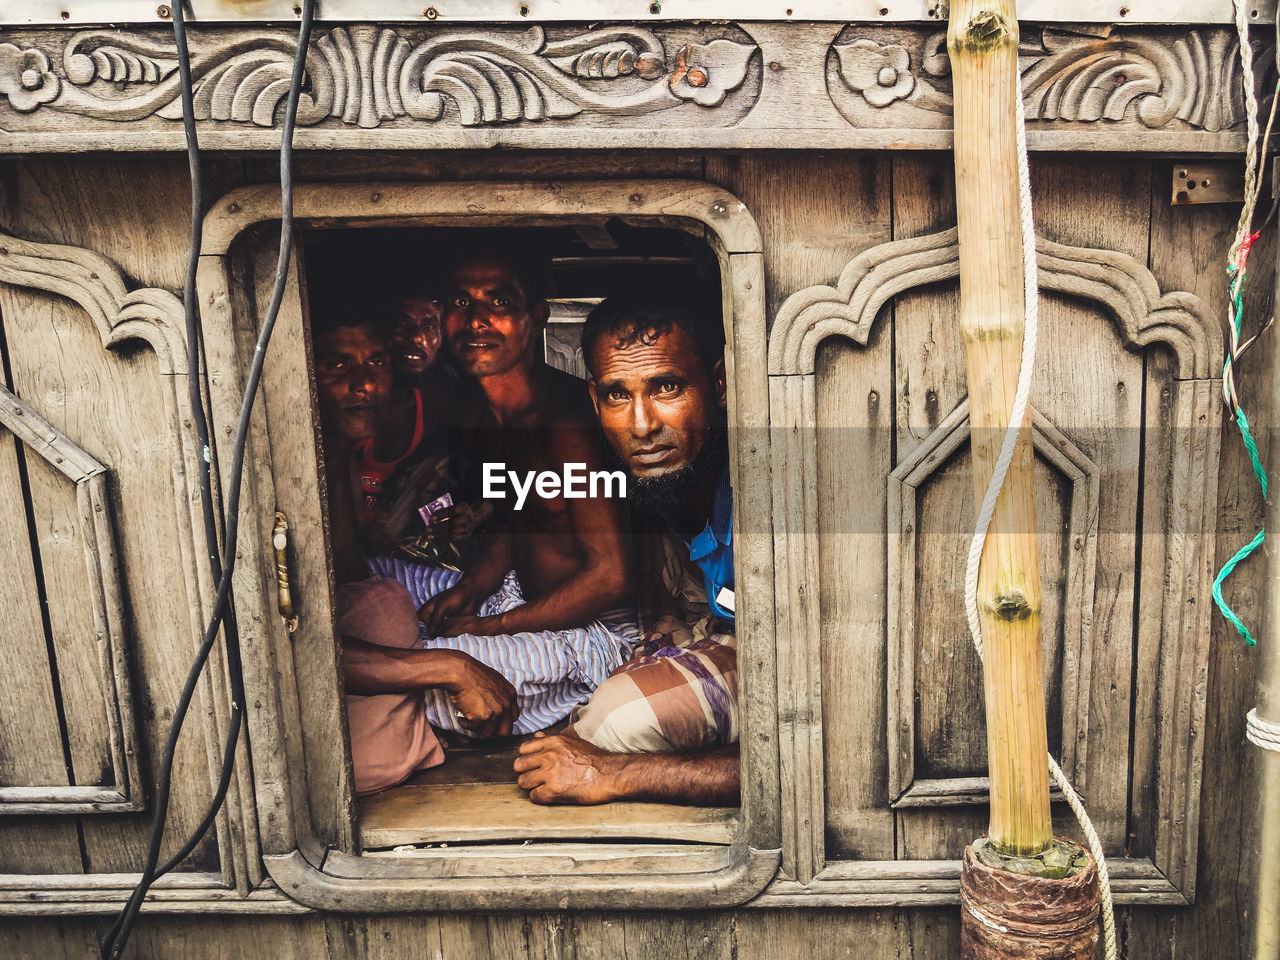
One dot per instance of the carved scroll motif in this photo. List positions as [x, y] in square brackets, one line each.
[1156, 78]
[367, 75]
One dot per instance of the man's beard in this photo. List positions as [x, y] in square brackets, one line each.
[667, 491]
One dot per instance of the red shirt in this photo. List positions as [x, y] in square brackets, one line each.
[374, 473]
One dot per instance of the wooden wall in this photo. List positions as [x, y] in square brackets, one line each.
[816, 212]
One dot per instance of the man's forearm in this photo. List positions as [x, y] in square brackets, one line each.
[487, 573]
[371, 669]
[578, 600]
[710, 778]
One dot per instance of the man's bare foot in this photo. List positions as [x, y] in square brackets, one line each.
[560, 769]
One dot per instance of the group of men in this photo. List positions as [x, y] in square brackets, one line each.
[604, 619]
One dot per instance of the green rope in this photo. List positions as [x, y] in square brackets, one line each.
[1246, 434]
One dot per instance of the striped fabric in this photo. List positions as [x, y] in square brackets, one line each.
[678, 694]
[552, 670]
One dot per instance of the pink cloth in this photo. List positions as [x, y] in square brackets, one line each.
[390, 736]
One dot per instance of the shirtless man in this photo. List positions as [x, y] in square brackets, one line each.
[663, 726]
[569, 554]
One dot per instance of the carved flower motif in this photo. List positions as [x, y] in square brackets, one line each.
[880, 73]
[25, 78]
[706, 72]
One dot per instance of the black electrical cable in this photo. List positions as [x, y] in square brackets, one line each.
[223, 612]
[201, 424]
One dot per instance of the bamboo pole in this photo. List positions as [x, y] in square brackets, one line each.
[982, 39]
[1266, 815]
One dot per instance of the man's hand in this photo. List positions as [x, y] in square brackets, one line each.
[457, 601]
[484, 699]
[568, 770]
[455, 524]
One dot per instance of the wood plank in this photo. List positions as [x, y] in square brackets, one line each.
[80, 388]
[49, 939]
[1188, 247]
[291, 479]
[581, 164]
[744, 286]
[599, 936]
[1188, 252]
[487, 811]
[490, 764]
[1094, 397]
[821, 934]
[794, 96]
[40, 845]
[31, 752]
[67, 201]
[193, 938]
[382, 938]
[528, 858]
[696, 936]
[855, 410]
[62, 554]
[816, 212]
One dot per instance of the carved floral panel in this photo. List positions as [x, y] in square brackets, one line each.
[1184, 79]
[370, 76]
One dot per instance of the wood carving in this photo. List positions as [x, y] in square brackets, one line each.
[1183, 481]
[1190, 78]
[156, 317]
[1081, 476]
[1123, 284]
[104, 596]
[95, 283]
[367, 75]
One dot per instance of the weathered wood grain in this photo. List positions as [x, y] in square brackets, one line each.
[463, 813]
[1068, 391]
[308, 657]
[1094, 397]
[59, 537]
[31, 753]
[789, 85]
[744, 284]
[815, 188]
[1185, 254]
[61, 202]
[582, 164]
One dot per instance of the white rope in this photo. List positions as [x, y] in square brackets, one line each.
[1253, 164]
[1018, 413]
[1262, 733]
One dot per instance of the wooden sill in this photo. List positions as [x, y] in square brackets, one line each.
[473, 796]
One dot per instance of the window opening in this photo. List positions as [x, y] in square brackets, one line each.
[531, 540]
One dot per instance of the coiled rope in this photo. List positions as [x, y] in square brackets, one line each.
[1018, 413]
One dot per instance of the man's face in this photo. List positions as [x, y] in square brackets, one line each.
[416, 335]
[353, 379]
[656, 401]
[490, 323]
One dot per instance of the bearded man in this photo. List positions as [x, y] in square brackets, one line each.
[664, 726]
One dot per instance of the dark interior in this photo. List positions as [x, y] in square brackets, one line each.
[473, 796]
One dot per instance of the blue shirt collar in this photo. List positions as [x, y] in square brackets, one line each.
[719, 529]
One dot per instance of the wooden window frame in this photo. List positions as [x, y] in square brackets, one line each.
[305, 833]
